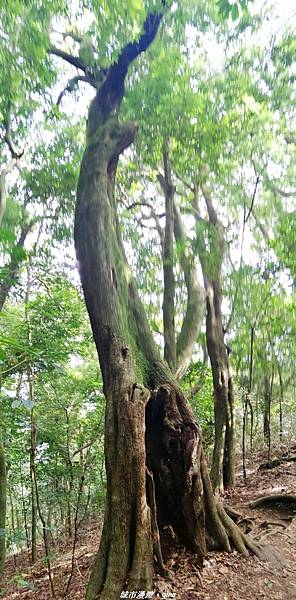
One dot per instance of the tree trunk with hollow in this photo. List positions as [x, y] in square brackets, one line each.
[155, 466]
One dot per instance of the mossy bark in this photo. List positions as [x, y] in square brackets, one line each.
[168, 308]
[149, 423]
[125, 557]
[151, 436]
[223, 463]
[195, 308]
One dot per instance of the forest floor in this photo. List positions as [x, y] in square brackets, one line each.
[224, 577]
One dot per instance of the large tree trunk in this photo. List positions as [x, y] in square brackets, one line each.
[136, 381]
[155, 467]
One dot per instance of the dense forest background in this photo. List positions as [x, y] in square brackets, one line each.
[206, 211]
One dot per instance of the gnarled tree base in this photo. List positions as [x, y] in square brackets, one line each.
[178, 493]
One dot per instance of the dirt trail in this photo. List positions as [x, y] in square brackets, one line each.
[224, 577]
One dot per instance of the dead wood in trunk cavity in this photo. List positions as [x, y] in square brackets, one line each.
[211, 248]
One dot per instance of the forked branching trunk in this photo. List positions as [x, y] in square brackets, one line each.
[178, 349]
[223, 464]
[155, 466]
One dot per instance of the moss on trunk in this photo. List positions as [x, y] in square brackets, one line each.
[151, 436]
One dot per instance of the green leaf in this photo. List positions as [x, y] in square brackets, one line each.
[234, 12]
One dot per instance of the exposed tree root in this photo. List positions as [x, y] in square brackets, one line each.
[276, 462]
[234, 514]
[274, 499]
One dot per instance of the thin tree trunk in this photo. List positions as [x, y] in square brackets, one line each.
[70, 478]
[24, 508]
[266, 415]
[195, 308]
[77, 521]
[33, 491]
[181, 350]
[168, 264]
[15, 543]
[3, 484]
[281, 400]
[223, 464]
[12, 269]
[44, 531]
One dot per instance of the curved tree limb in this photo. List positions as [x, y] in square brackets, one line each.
[111, 91]
[195, 308]
[75, 61]
[72, 85]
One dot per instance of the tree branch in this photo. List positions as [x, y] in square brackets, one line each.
[169, 283]
[111, 91]
[195, 307]
[253, 199]
[72, 60]
[72, 84]
[213, 217]
[12, 269]
[281, 192]
[290, 138]
[15, 154]
[3, 188]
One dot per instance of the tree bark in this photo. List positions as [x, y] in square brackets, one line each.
[223, 465]
[281, 400]
[266, 414]
[150, 430]
[178, 353]
[33, 491]
[11, 271]
[195, 308]
[168, 264]
[3, 485]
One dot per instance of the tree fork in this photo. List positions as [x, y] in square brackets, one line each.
[128, 355]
